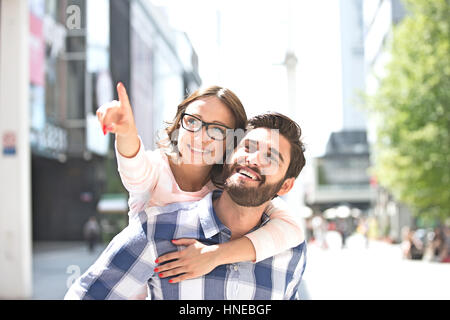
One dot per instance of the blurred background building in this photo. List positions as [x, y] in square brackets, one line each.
[78, 50]
[81, 58]
[341, 175]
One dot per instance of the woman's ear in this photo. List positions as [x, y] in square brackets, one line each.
[287, 185]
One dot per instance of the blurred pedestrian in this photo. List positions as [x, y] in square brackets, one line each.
[405, 244]
[445, 254]
[319, 226]
[342, 226]
[435, 245]
[91, 233]
[412, 246]
[363, 229]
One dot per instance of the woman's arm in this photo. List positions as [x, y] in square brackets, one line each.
[199, 259]
[137, 168]
[282, 232]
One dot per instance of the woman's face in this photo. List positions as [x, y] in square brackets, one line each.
[198, 147]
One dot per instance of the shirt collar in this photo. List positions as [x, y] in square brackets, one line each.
[209, 221]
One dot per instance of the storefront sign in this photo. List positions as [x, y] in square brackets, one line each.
[37, 51]
[9, 143]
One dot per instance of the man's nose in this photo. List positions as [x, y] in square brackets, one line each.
[252, 158]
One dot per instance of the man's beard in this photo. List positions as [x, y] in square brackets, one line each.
[250, 196]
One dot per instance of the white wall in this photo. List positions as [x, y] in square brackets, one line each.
[15, 168]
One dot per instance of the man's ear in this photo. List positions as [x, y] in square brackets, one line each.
[287, 185]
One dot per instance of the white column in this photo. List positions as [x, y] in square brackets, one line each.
[15, 168]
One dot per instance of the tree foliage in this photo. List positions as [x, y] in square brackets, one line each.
[412, 108]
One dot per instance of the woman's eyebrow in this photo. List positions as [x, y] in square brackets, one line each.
[215, 121]
[221, 123]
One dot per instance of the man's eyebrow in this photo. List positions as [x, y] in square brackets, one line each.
[277, 153]
[271, 149]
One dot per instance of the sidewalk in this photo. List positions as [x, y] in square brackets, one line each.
[57, 263]
[372, 273]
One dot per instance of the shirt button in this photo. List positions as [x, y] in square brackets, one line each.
[235, 267]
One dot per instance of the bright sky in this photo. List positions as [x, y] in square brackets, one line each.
[241, 45]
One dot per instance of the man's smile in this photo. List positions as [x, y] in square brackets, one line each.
[247, 173]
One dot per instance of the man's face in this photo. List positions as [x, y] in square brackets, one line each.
[257, 168]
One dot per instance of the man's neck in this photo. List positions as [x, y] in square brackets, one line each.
[240, 220]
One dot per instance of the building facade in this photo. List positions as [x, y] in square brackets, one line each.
[341, 175]
[352, 58]
[59, 61]
[76, 58]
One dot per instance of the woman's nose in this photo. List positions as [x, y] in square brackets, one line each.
[201, 136]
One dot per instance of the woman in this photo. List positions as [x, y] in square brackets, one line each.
[187, 166]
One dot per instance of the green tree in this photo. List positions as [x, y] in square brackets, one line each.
[412, 111]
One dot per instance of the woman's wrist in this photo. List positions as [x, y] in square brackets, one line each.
[220, 255]
[129, 145]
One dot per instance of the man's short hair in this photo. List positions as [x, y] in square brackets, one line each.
[291, 131]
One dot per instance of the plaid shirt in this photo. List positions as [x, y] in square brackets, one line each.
[129, 260]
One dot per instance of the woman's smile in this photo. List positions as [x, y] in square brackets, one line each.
[198, 150]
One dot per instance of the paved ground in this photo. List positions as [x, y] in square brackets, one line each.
[375, 273]
[355, 272]
[57, 263]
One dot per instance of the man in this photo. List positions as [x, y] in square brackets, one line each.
[272, 144]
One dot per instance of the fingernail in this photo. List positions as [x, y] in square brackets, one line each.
[156, 261]
[170, 281]
[104, 130]
[156, 270]
[160, 275]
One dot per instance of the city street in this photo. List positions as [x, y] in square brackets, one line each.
[355, 272]
[376, 272]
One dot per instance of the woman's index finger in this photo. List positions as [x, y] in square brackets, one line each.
[123, 96]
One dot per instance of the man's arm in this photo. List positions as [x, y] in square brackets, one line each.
[121, 270]
[292, 289]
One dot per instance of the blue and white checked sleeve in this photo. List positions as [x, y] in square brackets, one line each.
[292, 290]
[121, 270]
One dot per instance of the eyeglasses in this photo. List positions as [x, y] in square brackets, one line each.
[193, 124]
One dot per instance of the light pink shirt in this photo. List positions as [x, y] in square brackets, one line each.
[150, 181]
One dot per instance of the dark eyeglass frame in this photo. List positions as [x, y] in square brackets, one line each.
[204, 124]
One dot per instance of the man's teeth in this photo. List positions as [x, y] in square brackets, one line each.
[200, 150]
[248, 174]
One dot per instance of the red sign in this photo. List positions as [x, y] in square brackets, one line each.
[37, 51]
